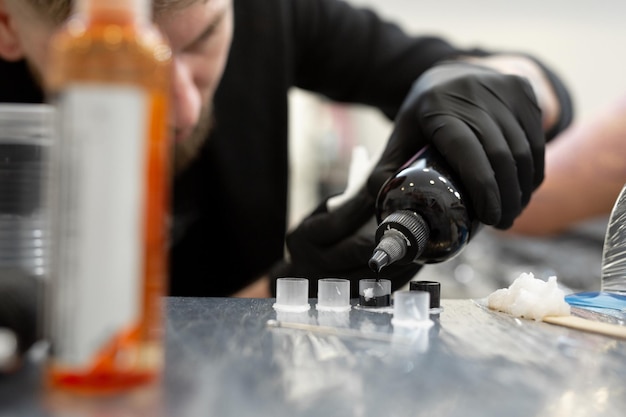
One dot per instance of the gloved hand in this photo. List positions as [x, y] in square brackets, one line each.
[486, 125]
[338, 244]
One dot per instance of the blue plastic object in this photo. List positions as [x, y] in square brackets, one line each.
[602, 300]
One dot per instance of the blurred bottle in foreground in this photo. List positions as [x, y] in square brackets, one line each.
[109, 79]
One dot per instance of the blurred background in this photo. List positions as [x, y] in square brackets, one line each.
[583, 41]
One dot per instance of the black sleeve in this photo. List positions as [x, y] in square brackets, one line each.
[566, 106]
[352, 55]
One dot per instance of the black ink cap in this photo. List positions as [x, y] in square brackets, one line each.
[431, 287]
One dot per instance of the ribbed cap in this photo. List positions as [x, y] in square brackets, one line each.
[414, 223]
[391, 248]
[402, 236]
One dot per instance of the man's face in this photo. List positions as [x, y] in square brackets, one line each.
[199, 34]
[200, 37]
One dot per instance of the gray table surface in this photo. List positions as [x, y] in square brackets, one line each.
[223, 360]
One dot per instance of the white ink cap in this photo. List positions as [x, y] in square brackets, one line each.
[292, 294]
[411, 309]
[333, 294]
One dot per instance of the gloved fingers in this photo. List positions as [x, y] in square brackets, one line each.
[522, 129]
[528, 115]
[326, 228]
[523, 156]
[457, 142]
[510, 181]
[507, 149]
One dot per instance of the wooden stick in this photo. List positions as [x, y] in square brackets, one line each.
[579, 323]
[330, 330]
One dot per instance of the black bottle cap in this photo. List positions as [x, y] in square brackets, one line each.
[431, 287]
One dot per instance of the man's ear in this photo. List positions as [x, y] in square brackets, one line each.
[10, 46]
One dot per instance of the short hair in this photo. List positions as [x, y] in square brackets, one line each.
[59, 10]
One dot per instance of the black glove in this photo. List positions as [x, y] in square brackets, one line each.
[485, 124]
[338, 244]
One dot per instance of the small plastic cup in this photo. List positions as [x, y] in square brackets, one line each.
[411, 309]
[374, 293]
[292, 294]
[333, 294]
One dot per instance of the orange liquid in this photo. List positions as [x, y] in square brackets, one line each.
[105, 374]
[113, 48]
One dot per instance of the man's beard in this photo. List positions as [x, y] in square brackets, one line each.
[186, 150]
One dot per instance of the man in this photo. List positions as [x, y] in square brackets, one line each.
[234, 63]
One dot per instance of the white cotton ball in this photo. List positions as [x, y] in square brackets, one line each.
[530, 298]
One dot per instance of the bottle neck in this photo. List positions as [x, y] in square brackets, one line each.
[135, 9]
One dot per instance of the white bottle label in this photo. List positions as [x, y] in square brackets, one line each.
[101, 179]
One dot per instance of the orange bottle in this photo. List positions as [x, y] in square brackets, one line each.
[108, 77]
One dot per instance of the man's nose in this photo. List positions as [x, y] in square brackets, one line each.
[186, 100]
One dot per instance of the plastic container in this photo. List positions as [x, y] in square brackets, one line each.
[411, 309]
[614, 250]
[292, 295]
[434, 289]
[374, 292]
[333, 294]
[108, 75]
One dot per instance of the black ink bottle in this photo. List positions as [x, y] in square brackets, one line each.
[422, 213]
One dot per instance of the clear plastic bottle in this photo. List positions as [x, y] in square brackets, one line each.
[614, 250]
[423, 214]
[109, 78]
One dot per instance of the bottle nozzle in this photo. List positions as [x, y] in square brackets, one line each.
[378, 261]
[391, 248]
[401, 235]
